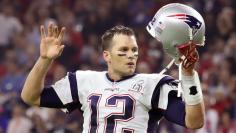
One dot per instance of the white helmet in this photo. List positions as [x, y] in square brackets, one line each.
[175, 25]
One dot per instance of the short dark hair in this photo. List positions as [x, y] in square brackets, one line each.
[109, 34]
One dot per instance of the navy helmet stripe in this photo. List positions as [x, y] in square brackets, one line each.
[188, 19]
[193, 22]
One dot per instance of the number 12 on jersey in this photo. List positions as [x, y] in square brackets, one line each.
[111, 119]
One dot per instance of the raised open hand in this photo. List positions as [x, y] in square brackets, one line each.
[51, 45]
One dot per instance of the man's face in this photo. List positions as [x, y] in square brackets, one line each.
[122, 55]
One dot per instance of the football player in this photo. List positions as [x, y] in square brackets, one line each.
[119, 100]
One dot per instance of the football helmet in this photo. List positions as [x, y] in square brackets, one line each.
[179, 28]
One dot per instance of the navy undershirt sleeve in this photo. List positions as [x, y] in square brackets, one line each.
[50, 99]
[175, 111]
[156, 93]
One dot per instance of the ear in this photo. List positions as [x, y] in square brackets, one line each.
[106, 56]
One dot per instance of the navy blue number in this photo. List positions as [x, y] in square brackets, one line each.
[126, 115]
[111, 119]
[94, 101]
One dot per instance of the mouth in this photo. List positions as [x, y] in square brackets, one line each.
[130, 64]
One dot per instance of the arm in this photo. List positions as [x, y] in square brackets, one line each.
[179, 112]
[35, 82]
[191, 112]
[195, 116]
[50, 49]
[195, 111]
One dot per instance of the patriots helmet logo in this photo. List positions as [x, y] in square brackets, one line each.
[192, 22]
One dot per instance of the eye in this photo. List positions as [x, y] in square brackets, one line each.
[135, 49]
[124, 49]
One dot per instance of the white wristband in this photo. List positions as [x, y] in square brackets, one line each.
[192, 92]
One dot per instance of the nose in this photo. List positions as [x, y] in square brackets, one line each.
[131, 55]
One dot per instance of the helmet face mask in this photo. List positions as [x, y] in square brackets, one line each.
[175, 25]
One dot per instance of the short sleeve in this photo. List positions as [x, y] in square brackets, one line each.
[63, 94]
[175, 111]
[173, 107]
[159, 100]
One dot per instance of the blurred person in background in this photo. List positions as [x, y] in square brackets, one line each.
[14, 77]
[59, 123]
[225, 124]
[38, 125]
[41, 119]
[225, 22]
[19, 122]
[10, 26]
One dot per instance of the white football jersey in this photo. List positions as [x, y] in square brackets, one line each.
[115, 107]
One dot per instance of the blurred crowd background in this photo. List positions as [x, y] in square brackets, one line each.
[86, 21]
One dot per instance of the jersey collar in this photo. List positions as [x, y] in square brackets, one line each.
[123, 78]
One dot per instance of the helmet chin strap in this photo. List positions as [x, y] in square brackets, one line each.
[190, 30]
[180, 91]
[168, 66]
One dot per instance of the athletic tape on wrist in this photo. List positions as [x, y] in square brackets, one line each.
[192, 92]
